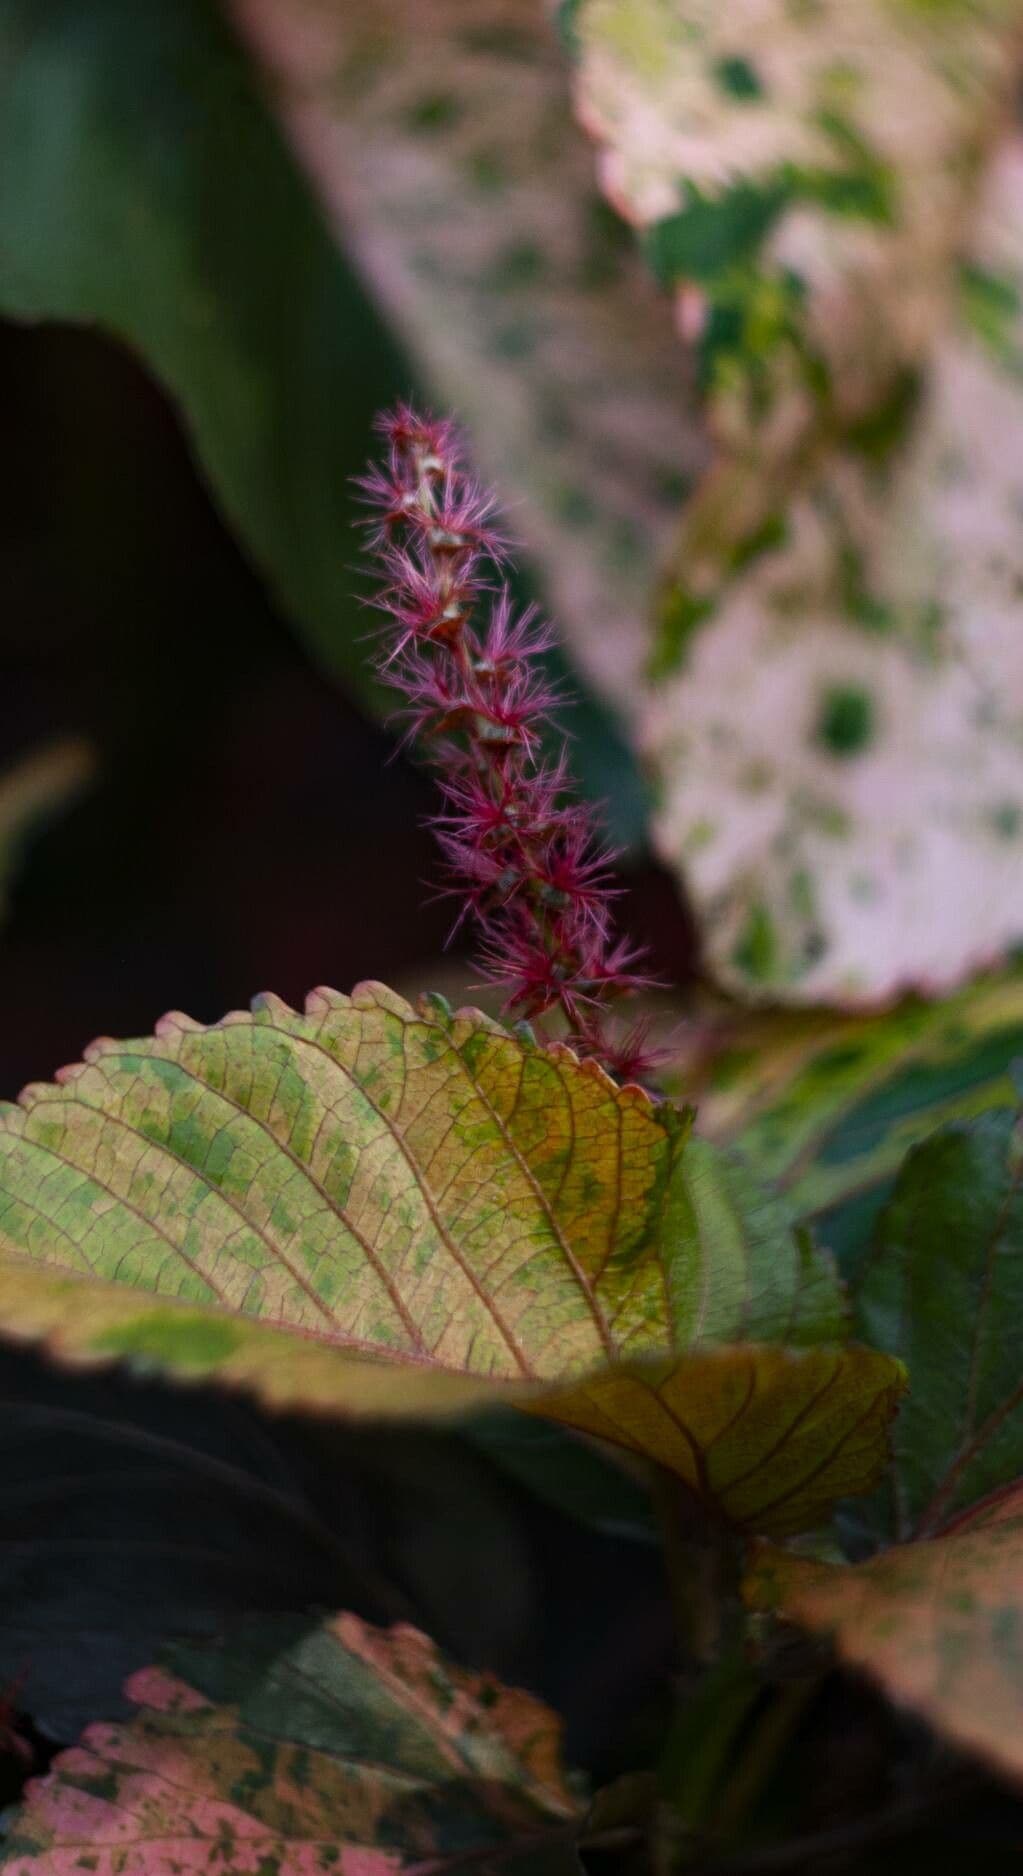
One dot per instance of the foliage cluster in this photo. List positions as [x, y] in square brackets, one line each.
[741, 1295]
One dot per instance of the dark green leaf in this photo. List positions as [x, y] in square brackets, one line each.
[147, 191]
[945, 1292]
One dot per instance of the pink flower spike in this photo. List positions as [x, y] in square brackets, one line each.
[524, 857]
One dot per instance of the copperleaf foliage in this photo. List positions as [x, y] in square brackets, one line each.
[395, 1211]
[935, 1622]
[271, 1513]
[835, 194]
[342, 1747]
[935, 1618]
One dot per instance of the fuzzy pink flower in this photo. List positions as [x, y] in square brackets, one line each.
[524, 858]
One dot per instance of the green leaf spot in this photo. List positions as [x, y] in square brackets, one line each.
[757, 950]
[739, 78]
[846, 724]
[709, 234]
[178, 1339]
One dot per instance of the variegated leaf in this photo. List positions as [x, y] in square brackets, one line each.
[802, 175]
[872, 844]
[441, 141]
[295, 1749]
[825, 1105]
[393, 1211]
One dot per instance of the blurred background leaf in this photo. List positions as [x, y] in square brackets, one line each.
[826, 1106]
[441, 142]
[835, 195]
[289, 1514]
[148, 192]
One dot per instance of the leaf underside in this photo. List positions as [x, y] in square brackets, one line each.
[390, 1211]
[936, 1622]
[342, 1748]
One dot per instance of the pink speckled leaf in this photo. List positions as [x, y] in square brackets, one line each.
[296, 1750]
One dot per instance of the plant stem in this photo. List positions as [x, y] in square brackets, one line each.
[699, 1557]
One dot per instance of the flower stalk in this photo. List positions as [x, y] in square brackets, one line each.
[523, 855]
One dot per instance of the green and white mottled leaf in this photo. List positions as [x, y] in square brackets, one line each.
[391, 1211]
[295, 1749]
[935, 1623]
[944, 1292]
[441, 141]
[802, 175]
[875, 612]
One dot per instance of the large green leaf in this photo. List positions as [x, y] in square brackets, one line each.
[395, 1211]
[935, 1622]
[147, 193]
[944, 1291]
[342, 1747]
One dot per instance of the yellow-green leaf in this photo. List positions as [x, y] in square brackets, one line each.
[390, 1211]
[936, 1622]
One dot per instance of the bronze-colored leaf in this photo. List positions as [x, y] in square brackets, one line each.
[936, 1622]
